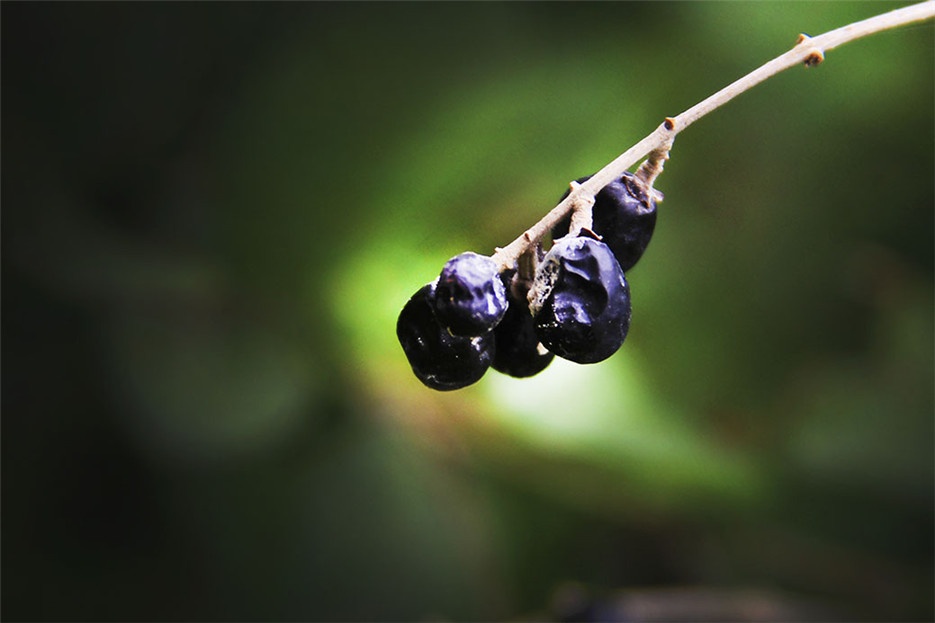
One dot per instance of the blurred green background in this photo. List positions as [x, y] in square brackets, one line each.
[212, 214]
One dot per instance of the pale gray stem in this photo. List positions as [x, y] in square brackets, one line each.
[807, 50]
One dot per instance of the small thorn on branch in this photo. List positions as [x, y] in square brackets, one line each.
[814, 57]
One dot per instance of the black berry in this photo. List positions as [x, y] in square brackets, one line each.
[581, 300]
[470, 298]
[518, 351]
[439, 359]
[623, 216]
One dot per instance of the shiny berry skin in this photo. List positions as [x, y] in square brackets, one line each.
[470, 298]
[439, 359]
[581, 300]
[623, 216]
[519, 352]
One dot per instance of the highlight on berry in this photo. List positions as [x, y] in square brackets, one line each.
[572, 302]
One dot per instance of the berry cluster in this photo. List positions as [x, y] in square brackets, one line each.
[573, 302]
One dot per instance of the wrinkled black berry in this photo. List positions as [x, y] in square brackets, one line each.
[470, 298]
[439, 359]
[581, 300]
[623, 216]
[518, 351]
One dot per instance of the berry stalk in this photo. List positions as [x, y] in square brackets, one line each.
[808, 51]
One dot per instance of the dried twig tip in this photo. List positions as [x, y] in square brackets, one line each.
[814, 58]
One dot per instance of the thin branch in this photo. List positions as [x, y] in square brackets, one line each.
[808, 51]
